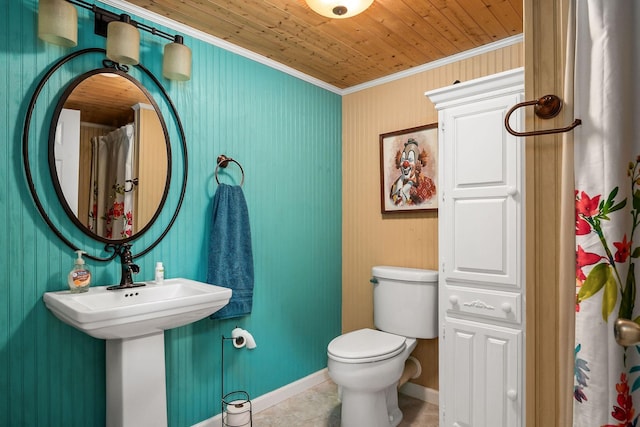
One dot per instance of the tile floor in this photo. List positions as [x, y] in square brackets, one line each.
[320, 407]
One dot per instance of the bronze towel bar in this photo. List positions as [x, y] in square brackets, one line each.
[546, 107]
[223, 162]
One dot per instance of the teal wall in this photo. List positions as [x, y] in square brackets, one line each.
[287, 135]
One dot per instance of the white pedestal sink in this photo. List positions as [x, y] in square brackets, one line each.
[133, 323]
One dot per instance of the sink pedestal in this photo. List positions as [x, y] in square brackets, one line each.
[136, 384]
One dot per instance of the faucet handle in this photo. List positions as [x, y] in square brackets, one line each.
[135, 268]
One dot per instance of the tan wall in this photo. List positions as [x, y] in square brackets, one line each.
[410, 240]
[549, 307]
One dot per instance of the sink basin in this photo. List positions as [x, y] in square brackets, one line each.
[128, 313]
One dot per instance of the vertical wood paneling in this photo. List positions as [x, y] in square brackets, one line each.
[286, 134]
[150, 164]
[7, 213]
[370, 238]
[549, 339]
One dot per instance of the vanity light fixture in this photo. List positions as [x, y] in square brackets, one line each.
[176, 61]
[58, 24]
[123, 41]
[339, 8]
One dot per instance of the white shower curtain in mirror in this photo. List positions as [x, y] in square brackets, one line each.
[111, 209]
[607, 179]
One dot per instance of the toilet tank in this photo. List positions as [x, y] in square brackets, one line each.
[405, 301]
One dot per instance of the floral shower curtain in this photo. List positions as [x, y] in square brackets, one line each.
[607, 196]
[111, 201]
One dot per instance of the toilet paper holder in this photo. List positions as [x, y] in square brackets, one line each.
[236, 405]
[236, 409]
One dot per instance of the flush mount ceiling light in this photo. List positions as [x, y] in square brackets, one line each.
[58, 24]
[339, 8]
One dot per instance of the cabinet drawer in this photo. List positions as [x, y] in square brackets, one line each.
[505, 306]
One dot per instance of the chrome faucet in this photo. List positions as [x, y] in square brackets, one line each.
[128, 269]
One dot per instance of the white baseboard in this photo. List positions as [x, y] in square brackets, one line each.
[276, 396]
[416, 391]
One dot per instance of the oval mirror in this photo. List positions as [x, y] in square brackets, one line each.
[109, 155]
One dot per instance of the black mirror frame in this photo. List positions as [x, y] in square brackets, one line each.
[121, 71]
[114, 246]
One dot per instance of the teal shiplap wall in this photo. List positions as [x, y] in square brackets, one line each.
[287, 135]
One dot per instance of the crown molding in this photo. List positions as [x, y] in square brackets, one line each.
[438, 63]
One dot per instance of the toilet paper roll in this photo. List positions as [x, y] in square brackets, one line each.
[238, 338]
[238, 413]
[242, 338]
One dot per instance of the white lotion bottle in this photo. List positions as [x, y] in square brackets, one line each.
[159, 276]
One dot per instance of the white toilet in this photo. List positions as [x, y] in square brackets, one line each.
[366, 364]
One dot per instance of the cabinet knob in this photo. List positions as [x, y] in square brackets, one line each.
[453, 300]
[506, 307]
[512, 191]
[512, 395]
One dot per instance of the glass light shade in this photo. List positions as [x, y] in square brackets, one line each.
[176, 62]
[123, 43]
[339, 8]
[58, 22]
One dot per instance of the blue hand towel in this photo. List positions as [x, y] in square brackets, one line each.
[230, 259]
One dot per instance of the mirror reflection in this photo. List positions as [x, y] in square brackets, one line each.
[109, 150]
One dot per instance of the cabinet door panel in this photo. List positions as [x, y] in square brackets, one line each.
[460, 370]
[479, 232]
[484, 383]
[476, 162]
[498, 377]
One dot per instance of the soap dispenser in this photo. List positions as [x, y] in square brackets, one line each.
[79, 277]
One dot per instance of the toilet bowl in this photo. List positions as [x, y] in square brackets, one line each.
[366, 364]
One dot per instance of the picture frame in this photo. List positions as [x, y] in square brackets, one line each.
[409, 170]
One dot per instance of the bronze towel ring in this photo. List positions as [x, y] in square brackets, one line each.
[223, 162]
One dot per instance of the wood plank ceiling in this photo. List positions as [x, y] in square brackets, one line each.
[389, 37]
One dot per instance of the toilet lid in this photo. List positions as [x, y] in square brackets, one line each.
[365, 345]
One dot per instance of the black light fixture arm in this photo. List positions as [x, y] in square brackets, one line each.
[103, 17]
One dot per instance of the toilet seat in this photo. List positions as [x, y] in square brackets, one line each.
[365, 346]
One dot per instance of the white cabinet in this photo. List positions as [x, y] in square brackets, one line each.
[481, 245]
